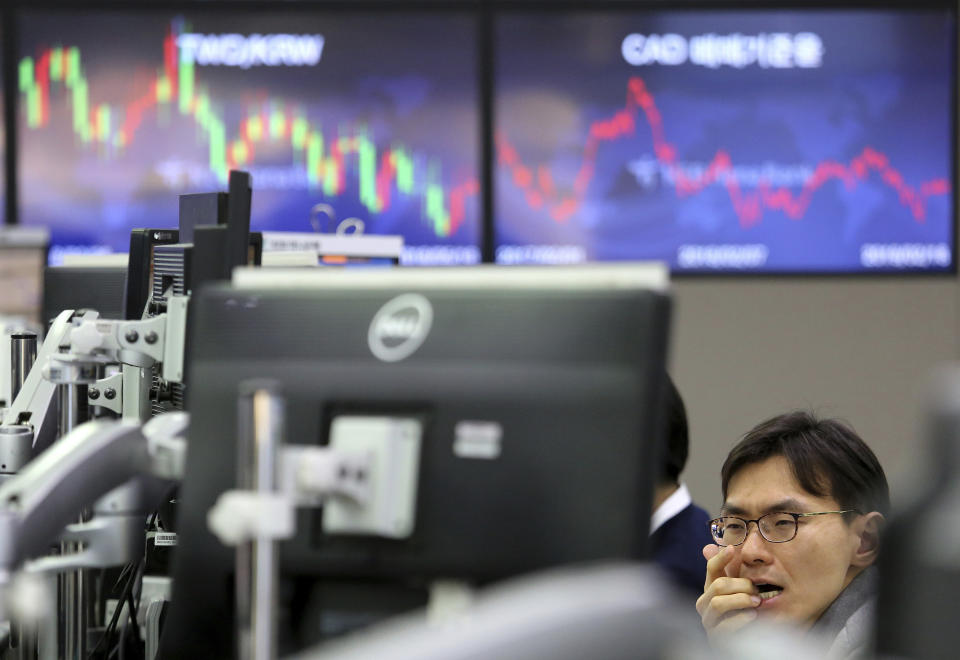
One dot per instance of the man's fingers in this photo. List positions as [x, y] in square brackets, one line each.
[720, 607]
[716, 564]
[723, 586]
[727, 603]
[734, 622]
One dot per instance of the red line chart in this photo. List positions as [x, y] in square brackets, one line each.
[542, 192]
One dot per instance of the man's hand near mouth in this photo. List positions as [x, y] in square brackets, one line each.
[728, 603]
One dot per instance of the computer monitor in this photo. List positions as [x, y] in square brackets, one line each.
[562, 367]
[370, 110]
[99, 287]
[23, 254]
[734, 138]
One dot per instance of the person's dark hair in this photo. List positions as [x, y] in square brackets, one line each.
[827, 457]
[676, 439]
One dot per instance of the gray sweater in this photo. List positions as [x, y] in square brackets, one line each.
[848, 622]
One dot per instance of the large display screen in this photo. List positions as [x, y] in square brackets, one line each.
[3, 137]
[747, 140]
[337, 115]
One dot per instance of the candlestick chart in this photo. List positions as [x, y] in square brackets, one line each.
[843, 166]
[354, 139]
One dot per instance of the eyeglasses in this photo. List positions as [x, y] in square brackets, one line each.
[777, 527]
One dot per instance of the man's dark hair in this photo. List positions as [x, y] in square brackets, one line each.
[676, 439]
[827, 457]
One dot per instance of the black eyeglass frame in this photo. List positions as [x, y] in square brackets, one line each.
[746, 524]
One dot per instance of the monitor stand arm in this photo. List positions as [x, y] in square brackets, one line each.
[29, 424]
[131, 464]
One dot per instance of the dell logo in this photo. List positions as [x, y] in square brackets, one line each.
[400, 327]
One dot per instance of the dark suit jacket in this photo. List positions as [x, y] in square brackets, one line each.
[677, 547]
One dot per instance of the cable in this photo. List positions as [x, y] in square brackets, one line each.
[116, 613]
[111, 627]
[126, 598]
[122, 646]
[123, 574]
[134, 608]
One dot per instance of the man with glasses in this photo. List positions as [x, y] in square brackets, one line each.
[804, 502]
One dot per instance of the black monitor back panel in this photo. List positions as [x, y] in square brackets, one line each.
[140, 267]
[69, 287]
[571, 377]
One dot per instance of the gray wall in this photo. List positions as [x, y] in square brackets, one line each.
[744, 350]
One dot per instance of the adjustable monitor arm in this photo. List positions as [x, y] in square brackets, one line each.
[31, 418]
[92, 460]
[29, 425]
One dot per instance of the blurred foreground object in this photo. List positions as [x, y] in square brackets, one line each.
[920, 559]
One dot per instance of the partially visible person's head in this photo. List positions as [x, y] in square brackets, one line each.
[797, 464]
[676, 443]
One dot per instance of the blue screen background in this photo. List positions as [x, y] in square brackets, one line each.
[875, 117]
